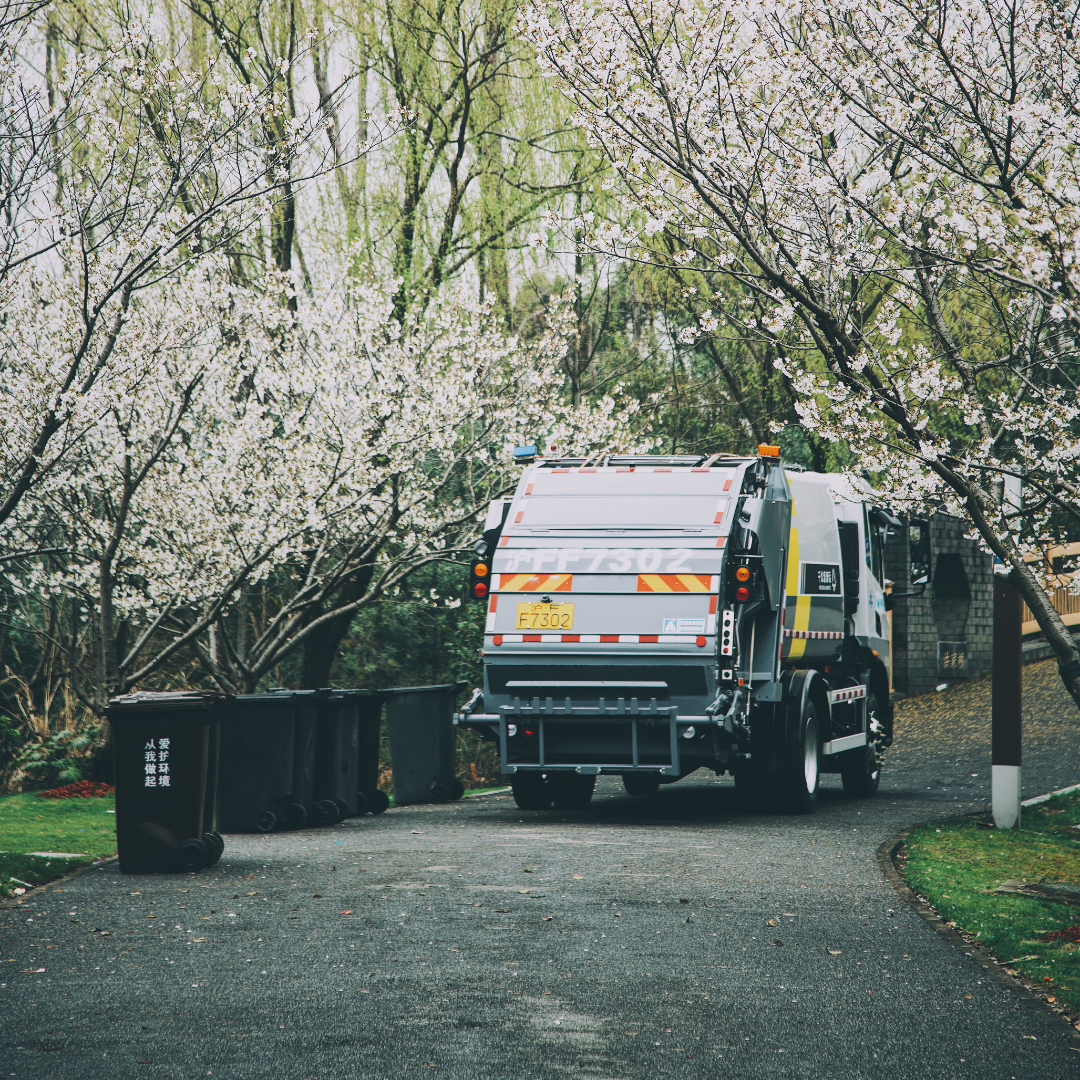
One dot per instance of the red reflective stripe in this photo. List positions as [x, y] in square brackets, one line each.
[571, 637]
[720, 541]
[497, 639]
[649, 638]
[661, 470]
[560, 470]
[609, 637]
[719, 517]
[504, 541]
[517, 519]
[528, 490]
[586, 470]
[701, 470]
[493, 599]
[531, 637]
[727, 485]
[624, 470]
[712, 605]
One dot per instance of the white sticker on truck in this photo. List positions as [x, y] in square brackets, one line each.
[683, 626]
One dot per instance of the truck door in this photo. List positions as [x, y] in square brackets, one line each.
[876, 617]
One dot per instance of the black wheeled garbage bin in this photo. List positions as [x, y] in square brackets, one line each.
[369, 714]
[165, 749]
[266, 779]
[422, 743]
[337, 751]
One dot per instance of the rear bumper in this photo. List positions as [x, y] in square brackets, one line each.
[544, 737]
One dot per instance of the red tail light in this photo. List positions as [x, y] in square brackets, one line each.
[479, 589]
[742, 594]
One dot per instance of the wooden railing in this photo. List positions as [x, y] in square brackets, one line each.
[1066, 604]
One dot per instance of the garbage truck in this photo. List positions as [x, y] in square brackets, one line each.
[647, 616]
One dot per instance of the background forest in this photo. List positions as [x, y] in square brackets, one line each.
[282, 282]
[312, 175]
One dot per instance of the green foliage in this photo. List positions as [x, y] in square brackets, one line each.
[956, 865]
[12, 741]
[57, 759]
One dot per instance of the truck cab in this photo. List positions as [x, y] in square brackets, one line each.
[650, 615]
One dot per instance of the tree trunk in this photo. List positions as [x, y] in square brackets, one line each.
[321, 648]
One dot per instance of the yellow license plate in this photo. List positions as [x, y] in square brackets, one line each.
[553, 616]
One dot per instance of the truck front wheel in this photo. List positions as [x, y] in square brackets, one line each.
[799, 787]
[862, 779]
[531, 791]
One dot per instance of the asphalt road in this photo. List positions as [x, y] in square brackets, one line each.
[672, 937]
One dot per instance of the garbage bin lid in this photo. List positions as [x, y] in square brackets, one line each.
[145, 700]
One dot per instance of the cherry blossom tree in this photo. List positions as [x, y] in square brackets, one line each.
[897, 184]
[118, 169]
[312, 449]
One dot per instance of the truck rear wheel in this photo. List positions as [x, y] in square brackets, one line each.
[799, 787]
[531, 791]
[863, 779]
[641, 785]
[571, 791]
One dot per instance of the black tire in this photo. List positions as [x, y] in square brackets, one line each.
[343, 809]
[531, 791]
[192, 855]
[296, 817]
[863, 778]
[641, 785]
[457, 788]
[571, 791]
[798, 789]
[378, 802]
[361, 804]
[267, 821]
[215, 845]
[438, 792]
[331, 815]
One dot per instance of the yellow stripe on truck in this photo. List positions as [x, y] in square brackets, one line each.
[673, 582]
[796, 646]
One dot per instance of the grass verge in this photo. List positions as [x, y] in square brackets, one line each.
[83, 827]
[956, 865]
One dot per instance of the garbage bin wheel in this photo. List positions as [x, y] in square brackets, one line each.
[457, 788]
[343, 809]
[361, 804]
[329, 810]
[531, 791]
[296, 816]
[378, 801]
[192, 855]
[215, 845]
[438, 792]
[571, 791]
[266, 821]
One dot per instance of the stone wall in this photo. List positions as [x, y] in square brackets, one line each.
[956, 610]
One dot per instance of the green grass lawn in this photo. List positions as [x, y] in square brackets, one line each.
[956, 865]
[28, 823]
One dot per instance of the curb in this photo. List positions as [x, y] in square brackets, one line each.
[484, 794]
[1049, 795]
[1037, 1006]
[9, 902]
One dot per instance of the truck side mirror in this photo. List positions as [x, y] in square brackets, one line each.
[919, 541]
